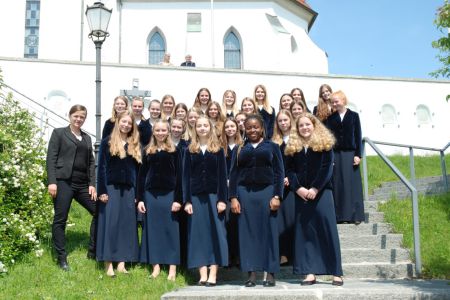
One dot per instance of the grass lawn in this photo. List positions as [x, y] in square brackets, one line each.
[434, 222]
[40, 278]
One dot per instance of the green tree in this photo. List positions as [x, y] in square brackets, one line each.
[442, 22]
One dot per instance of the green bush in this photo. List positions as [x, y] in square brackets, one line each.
[25, 207]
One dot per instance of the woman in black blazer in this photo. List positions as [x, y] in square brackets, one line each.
[309, 160]
[347, 184]
[71, 174]
[267, 112]
[118, 165]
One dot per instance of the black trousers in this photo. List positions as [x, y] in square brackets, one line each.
[66, 191]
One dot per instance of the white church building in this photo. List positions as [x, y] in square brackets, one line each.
[46, 55]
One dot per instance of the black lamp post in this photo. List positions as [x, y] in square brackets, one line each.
[98, 18]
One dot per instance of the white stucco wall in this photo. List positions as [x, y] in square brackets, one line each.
[64, 33]
[37, 79]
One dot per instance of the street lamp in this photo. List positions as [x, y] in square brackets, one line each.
[98, 18]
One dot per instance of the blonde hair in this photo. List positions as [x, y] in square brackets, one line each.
[255, 105]
[114, 113]
[116, 147]
[178, 106]
[164, 98]
[213, 144]
[197, 102]
[266, 104]
[321, 138]
[224, 138]
[277, 137]
[234, 108]
[323, 110]
[340, 94]
[168, 145]
[190, 131]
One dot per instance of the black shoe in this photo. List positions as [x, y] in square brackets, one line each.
[63, 265]
[91, 255]
[269, 283]
[210, 284]
[308, 282]
[338, 282]
[249, 283]
[202, 283]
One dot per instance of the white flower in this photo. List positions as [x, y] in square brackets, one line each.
[39, 252]
[3, 268]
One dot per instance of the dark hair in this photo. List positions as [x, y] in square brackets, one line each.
[77, 107]
[260, 120]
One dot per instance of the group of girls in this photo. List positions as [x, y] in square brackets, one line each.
[221, 185]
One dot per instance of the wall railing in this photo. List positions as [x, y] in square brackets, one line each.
[410, 184]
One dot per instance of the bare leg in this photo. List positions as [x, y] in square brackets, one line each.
[213, 274]
[172, 272]
[121, 267]
[156, 271]
[109, 269]
[203, 274]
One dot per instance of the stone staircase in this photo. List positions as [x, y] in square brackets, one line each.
[374, 263]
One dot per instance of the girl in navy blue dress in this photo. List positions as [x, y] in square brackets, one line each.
[309, 159]
[347, 184]
[144, 127]
[120, 105]
[285, 101]
[298, 96]
[154, 108]
[231, 140]
[205, 194]
[286, 213]
[267, 112]
[229, 106]
[297, 108]
[160, 198]
[167, 106]
[323, 109]
[256, 188]
[118, 163]
[202, 100]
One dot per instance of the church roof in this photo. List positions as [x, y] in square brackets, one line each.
[308, 8]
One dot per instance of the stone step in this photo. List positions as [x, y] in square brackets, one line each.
[381, 241]
[364, 229]
[374, 217]
[392, 256]
[375, 270]
[323, 290]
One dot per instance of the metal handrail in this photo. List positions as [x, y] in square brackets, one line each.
[414, 194]
[57, 118]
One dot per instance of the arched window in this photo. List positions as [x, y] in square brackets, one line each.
[232, 52]
[156, 49]
[388, 115]
[423, 115]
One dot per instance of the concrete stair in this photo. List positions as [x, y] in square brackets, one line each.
[374, 263]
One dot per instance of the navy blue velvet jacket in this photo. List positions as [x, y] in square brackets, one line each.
[269, 121]
[229, 158]
[107, 128]
[114, 170]
[204, 173]
[160, 170]
[145, 132]
[261, 166]
[347, 133]
[310, 169]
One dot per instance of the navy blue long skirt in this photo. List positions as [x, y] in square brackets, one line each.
[258, 230]
[160, 233]
[286, 224]
[317, 250]
[117, 237]
[207, 237]
[231, 224]
[347, 188]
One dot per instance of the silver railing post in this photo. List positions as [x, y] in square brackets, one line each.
[444, 169]
[365, 177]
[411, 167]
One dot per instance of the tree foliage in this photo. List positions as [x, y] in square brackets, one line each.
[442, 22]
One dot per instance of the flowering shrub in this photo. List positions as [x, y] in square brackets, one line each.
[25, 207]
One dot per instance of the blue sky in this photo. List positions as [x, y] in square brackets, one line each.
[386, 38]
